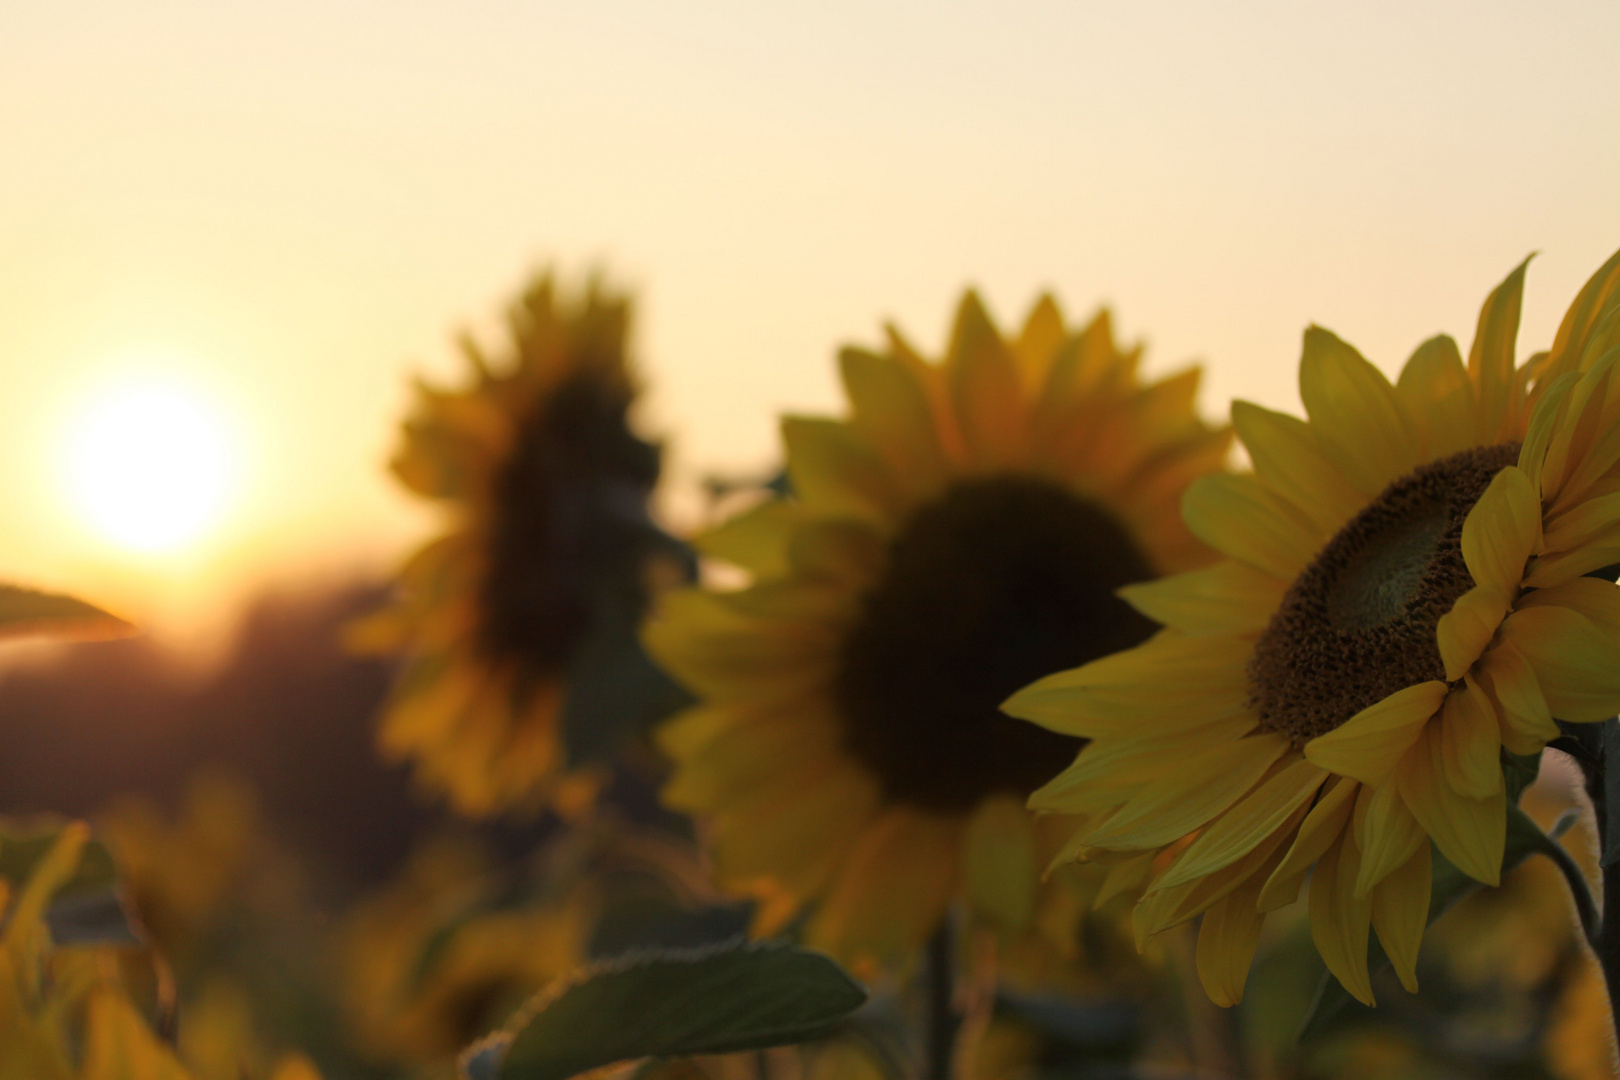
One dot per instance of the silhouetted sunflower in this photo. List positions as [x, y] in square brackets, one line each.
[966, 528]
[518, 624]
[1403, 598]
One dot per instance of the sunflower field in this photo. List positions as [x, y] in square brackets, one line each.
[1024, 724]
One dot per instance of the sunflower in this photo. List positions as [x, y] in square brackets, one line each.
[1402, 599]
[518, 623]
[963, 530]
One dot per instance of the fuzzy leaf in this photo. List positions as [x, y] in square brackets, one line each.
[719, 1000]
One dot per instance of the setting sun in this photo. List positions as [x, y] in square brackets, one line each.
[149, 464]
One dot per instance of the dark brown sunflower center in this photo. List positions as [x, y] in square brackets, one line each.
[993, 585]
[1359, 623]
[570, 521]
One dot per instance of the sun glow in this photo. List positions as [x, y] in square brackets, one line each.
[150, 464]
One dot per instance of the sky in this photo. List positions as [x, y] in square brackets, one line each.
[288, 210]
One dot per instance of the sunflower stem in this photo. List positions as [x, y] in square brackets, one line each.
[940, 988]
[1585, 907]
[1607, 946]
[1588, 746]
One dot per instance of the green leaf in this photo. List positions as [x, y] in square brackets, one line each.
[1450, 885]
[87, 909]
[25, 612]
[719, 1000]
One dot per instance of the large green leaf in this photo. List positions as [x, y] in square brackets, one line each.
[724, 999]
[25, 612]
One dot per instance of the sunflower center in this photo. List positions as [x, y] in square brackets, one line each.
[993, 585]
[1359, 623]
[569, 519]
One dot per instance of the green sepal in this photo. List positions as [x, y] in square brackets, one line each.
[1519, 771]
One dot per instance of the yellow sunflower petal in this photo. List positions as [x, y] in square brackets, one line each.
[1577, 665]
[999, 863]
[1252, 819]
[1227, 598]
[985, 387]
[1126, 876]
[1178, 682]
[1588, 521]
[1544, 424]
[1386, 834]
[1109, 771]
[1400, 911]
[1471, 742]
[1164, 908]
[891, 891]
[1226, 942]
[891, 411]
[749, 753]
[849, 554]
[1286, 456]
[796, 832]
[1439, 397]
[1491, 359]
[835, 472]
[1578, 422]
[1083, 362]
[1369, 745]
[1169, 809]
[1549, 570]
[1502, 531]
[1527, 723]
[1039, 341]
[1317, 833]
[1359, 421]
[1469, 832]
[1595, 464]
[1594, 598]
[1340, 919]
[1595, 297]
[721, 653]
[1465, 631]
[1243, 519]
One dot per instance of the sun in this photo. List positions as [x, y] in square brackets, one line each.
[150, 463]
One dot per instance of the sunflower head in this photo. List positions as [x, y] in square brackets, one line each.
[517, 624]
[1402, 600]
[967, 525]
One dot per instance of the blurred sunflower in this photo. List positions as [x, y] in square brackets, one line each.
[518, 624]
[966, 528]
[432, 963]
[1403, 598]
[67, 1009]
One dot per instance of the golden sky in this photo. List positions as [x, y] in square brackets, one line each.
[287, 208]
